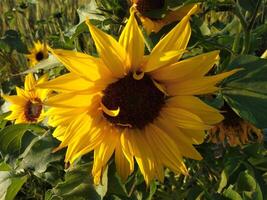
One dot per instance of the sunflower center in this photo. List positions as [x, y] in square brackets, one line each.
[140, 101]
[33, 109]
[39, 56]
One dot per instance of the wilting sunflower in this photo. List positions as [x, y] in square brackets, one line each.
[151, 24]
[234, 130]
[134, 106]
[38, 53]
[26, 106]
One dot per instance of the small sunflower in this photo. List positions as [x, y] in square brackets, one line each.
[27, 106]
[38, 53]
[134, 106]
[152, 24]
[234, 130]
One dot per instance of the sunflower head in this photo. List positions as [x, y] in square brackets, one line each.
[38, 53]
[234, 130]
[27, 105]
[136, 107]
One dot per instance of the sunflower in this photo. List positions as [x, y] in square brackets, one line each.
[151, 24]
[38, 53]
[26, 106]
[234, 130]
[136, 107]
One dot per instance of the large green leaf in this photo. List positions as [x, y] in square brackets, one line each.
[78, 184]
[38, 155]
[246, 91]
[13, 40]
[10, 183]
[10, 137]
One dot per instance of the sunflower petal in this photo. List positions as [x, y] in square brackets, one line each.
[184, 119]
[198, 86]
[122, 164]
[132, 40]
[29, 82]
[193, 104]
[196, 66]
[163, 59]
[67, 82]
[83, 65]
[111, 52]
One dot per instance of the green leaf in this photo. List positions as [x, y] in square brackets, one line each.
[246, 91]
[10, 183]
[10, 137]
[38, 155]
[78, 184]
[231, 194]
[248, 5]
[13, 40]
[14, 188]
[246, 182]
[223, 181]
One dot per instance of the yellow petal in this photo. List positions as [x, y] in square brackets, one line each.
[19, 100]
[168, 151]
[196, 66]
[59, 132]
[182, 141]
[29, 82]
[143, 155]
[198, 86]
[163, 59]
[132, 40]
[67, 82]
[71, 99]
[193, 104]
[184, 119]
[122, 164]
[126, 148]
[111, 52]
[175, 40]
[83, 65]
[105, 150]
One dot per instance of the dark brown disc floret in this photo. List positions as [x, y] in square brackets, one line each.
[140, 101]
[39, 56]
[33, 110]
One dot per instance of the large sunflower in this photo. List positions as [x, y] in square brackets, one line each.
[27, 106]
[38, 53]
[135, 106]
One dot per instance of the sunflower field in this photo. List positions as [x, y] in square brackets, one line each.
[133, 99]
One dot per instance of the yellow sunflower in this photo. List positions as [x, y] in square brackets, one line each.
[134, 106]
[234, 130]
[38, 53]
[154, 25]
[26, 106]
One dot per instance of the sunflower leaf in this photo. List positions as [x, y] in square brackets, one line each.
[78, 184]
[246, 91]
[38, 155]
[10, 137]
[10, 183]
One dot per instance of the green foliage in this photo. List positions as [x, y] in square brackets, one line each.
[29, 169]
[246, 91]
